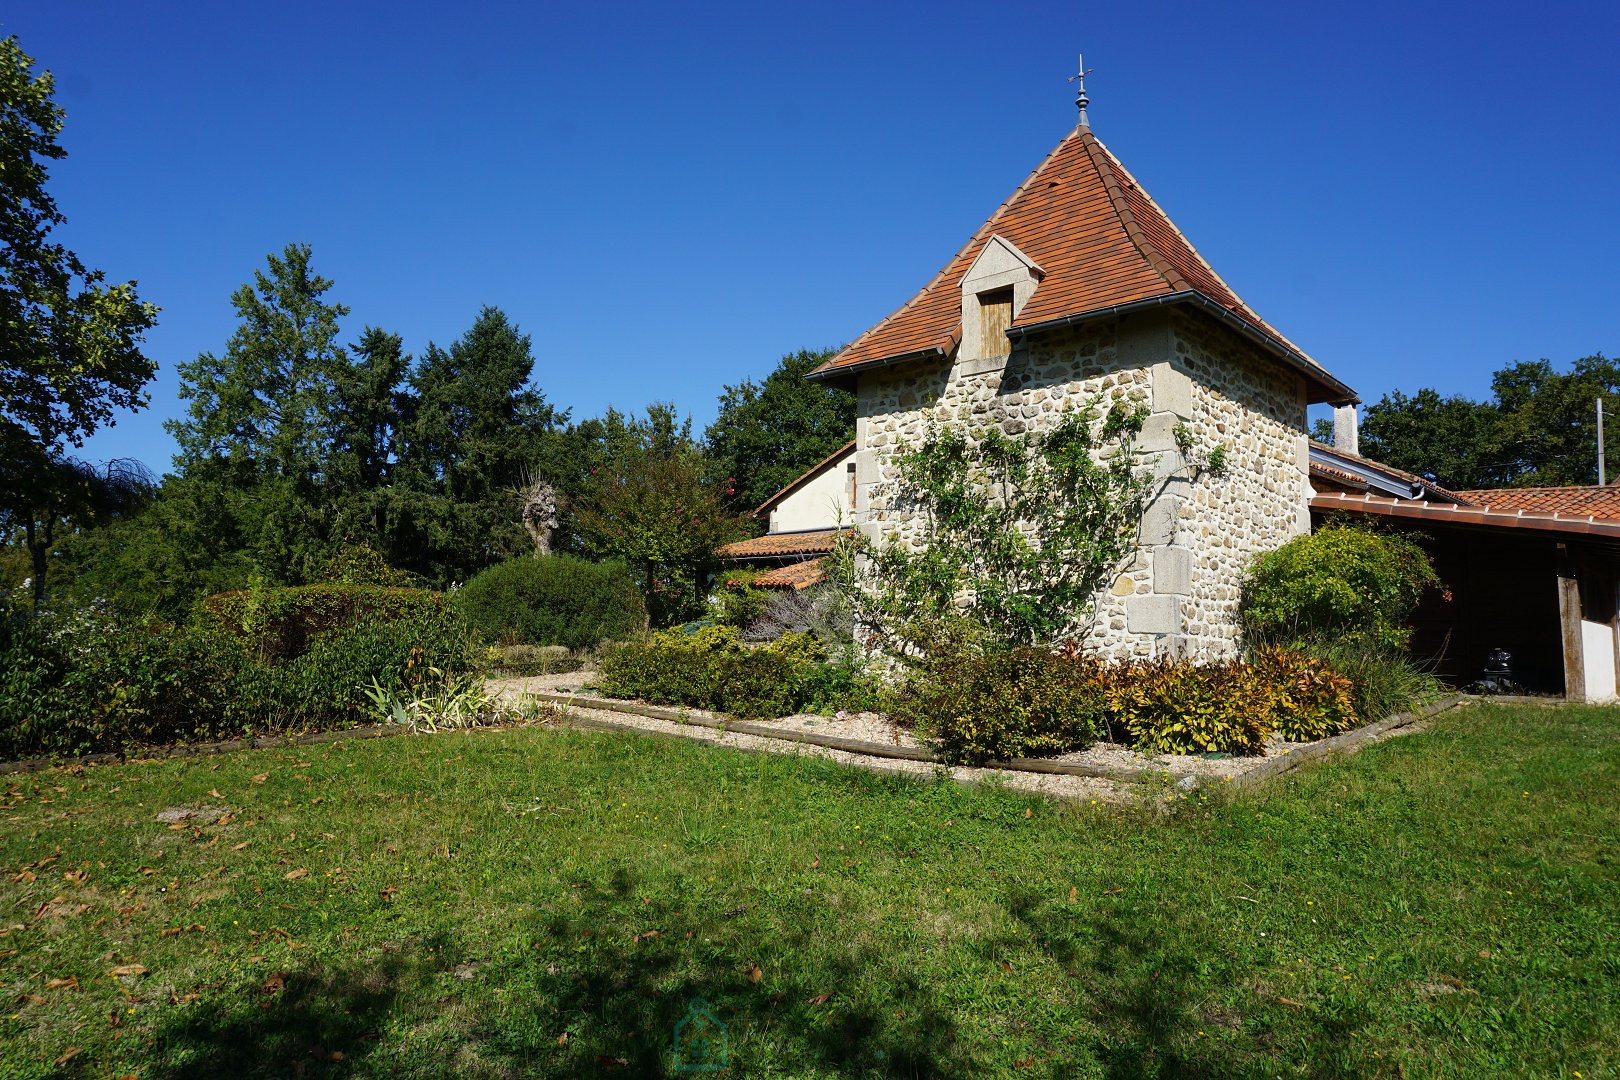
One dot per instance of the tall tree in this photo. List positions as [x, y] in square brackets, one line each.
[649, 499]
[768, 433]
[368, 406]
[71, 496]
[1538, 430]
[261, 417]
[473, 428]
[70, 344]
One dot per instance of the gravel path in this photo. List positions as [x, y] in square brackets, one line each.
[869, 727]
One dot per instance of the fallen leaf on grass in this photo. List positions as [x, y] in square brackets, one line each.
[1028, 813]
[754, 973]
[647, 934]
[562, 1040]
[69, 983]
[261, 778]
[294, 875]
[276, 981]
[1112, 892]
[816, 865]
[239, 847]
[67, 1055]
[1074, 894]
[1006, 966]
[611, 1062]
[214, 792]
[128, 969]
[32, 999]
[1291, 1003]
[6, 954]
[24, 876]
[1025, 1063]
[388, 893]
[819, 999]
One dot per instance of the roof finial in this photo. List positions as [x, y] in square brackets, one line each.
[1080, 98]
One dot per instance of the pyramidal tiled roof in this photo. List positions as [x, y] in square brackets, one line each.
[1102, 242]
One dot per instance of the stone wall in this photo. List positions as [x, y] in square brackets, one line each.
[1179, 593]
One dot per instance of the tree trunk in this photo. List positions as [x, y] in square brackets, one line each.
[37, 552]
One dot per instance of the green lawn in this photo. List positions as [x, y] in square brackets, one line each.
[531, 902]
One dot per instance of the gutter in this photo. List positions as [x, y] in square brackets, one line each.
[933, 352]
[1289, 356]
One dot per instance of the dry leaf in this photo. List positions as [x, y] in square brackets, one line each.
[32, 999]
[816, 865]
[128, 969]
[1028, 813]
[214, 792]
[388, 893]
[69, 983]
[1074, 894]
[1006, 966]
[294, 875]
[25, 876]
[1024, 1063]
[562, 1040]
[819, 999]
[261, 778]
[277, 980]
[67, 1055]
[646, 934]
[239, 847]
[75, 876]
[1291, 1003]
[169, 931]
[1112, 892]
[754, 973]
[611, 1062]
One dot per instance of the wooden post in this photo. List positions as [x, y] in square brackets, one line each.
[1569, 619]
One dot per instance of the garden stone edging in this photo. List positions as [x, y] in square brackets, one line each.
[1349, 742]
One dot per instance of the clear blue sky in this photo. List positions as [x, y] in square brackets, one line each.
[670, 197]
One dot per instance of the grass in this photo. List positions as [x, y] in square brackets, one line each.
[530, 902]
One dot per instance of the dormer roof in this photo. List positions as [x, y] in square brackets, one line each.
[1102, 244]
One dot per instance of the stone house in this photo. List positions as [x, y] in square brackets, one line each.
[1079, 285]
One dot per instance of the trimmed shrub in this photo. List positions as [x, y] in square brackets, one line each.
[1022, 703]
[279, 623]
[86, 684]
[362, 564]
[712, 669]
[1028, 702]
[1347, 581]
[555, 600]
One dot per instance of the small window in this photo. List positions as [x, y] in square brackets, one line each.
[851, 471]
[995, 317]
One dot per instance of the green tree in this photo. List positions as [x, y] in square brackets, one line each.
[71, 496]
[70, 344]
[1539, 429]
[369, 403]
[1448, 440]
[768, 433]
[473, 426]
[261, 420]
[650, 500]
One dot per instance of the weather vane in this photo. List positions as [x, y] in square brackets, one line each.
[1080, 98]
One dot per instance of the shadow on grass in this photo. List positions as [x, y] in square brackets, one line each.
[618, 1004]
[1158, 1010]
[316, 1022]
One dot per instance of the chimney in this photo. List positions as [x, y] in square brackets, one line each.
[1346, 435]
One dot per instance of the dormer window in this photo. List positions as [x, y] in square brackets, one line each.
[995, 288]
[995, 318]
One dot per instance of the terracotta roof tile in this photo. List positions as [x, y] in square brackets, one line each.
[1592, 501]
[1489, 517]
[1102, 242]
[799, 575]
[774, 545]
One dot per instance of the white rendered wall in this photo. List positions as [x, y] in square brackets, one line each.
[1597, 651]
[822, 503]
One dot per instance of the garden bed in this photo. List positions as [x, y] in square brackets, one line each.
[872, 740]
